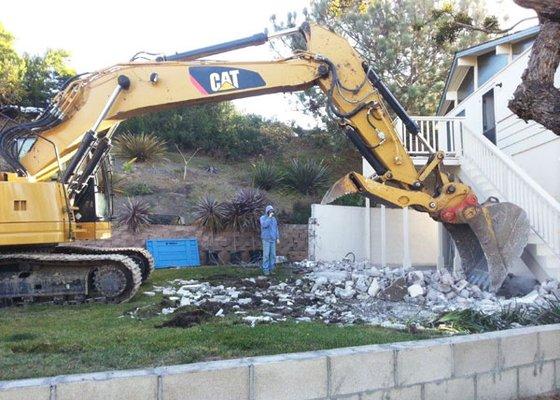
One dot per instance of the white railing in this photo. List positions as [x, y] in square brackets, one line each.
[442, 133]
[450, 135]
[515, 186]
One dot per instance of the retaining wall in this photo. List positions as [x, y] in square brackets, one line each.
[293, 240]
[511, 364]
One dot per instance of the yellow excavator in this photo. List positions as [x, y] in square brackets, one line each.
[59, 186]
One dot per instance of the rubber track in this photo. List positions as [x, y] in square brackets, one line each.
[108, 250]
[52, 259]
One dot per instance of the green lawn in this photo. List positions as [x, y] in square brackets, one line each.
[46, 340]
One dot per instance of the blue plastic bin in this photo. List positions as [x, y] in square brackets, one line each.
[174, 252]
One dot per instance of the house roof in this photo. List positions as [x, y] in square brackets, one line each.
[483, 48]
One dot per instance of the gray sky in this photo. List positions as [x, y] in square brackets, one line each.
[111, 31]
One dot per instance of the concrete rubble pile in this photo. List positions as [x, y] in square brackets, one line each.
[346, 293]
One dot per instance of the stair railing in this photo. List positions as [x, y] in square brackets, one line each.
[515, 186]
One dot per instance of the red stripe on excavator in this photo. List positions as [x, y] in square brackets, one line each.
[197, 85]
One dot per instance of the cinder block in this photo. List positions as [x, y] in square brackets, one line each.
[537, 379]
[424, 364]
[407, 393]
[497, 386]
[470, 357]
[462, 388]
[519, 350]
[223, 383]
[26, 393]
[137, 387]
[549, 345]
[291, 379]
[358, 372]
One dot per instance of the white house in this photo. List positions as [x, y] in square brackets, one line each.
[486, 146]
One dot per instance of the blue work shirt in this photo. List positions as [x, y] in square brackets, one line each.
[269, 228]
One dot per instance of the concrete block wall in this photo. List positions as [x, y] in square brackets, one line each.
[513, 364]
[293, 240]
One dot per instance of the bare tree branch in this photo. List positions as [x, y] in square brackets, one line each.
[490, 30]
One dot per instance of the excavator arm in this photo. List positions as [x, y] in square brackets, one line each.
[86, 113]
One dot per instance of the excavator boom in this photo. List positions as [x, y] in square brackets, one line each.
[72, 138]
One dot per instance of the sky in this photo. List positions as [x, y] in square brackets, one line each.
[107, 32]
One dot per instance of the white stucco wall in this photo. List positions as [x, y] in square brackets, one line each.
[337, 230]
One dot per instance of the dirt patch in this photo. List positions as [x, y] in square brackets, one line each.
[188, 317]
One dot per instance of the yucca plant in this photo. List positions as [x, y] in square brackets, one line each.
[209, 215]
[306, 176]
[135, 214]
[266, 176]
[143, 147]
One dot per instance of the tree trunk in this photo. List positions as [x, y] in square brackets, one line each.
[536, 98]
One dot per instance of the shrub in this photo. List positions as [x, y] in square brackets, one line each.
[135, 214]
[217, 129]
[266, 176]
[306, 176]
[353, 199]
[209, 214]
[138, 189]
[144, 147]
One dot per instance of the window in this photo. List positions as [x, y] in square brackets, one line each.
[489, 64]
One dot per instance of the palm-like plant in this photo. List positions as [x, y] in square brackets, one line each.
[243, 210]
[143, 147]
[209, 214]
[135, 215]
[266, 176]
[306, 176]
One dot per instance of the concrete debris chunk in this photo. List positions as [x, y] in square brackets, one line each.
[374, 288]
[415, 290]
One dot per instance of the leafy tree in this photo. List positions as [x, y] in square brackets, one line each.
[393, 37]
[12, 68]
[30, 80]
[44, 76]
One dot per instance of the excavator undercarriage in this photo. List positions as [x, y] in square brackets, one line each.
[59, 186]
[73, 274]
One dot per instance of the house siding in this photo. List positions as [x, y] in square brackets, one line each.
[531, 145]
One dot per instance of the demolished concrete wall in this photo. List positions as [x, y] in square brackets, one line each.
[410, 238]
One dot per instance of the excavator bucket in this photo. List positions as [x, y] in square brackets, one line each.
[491, 242]
[342, 187]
